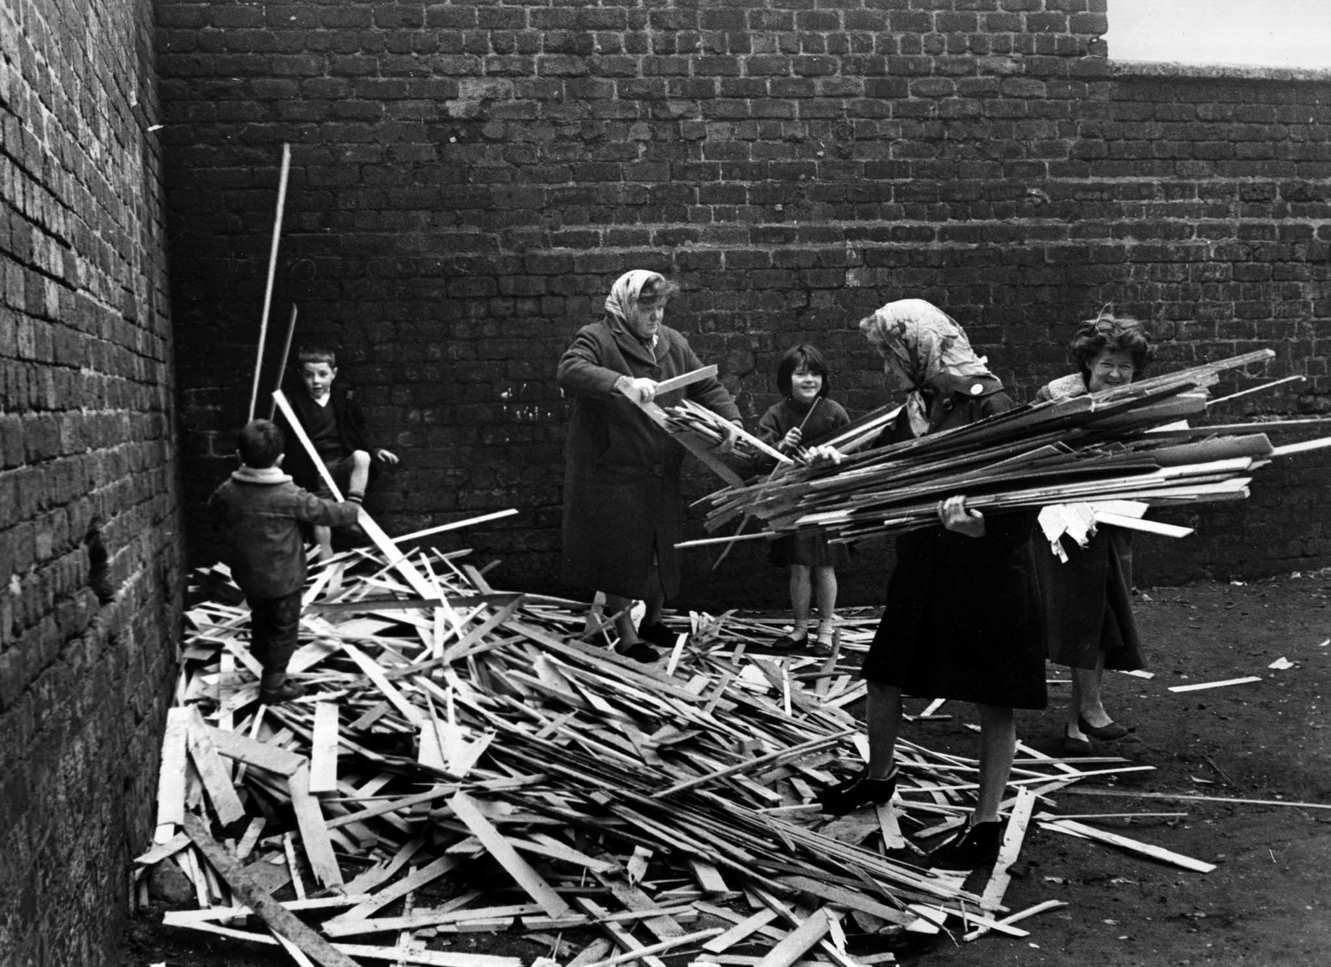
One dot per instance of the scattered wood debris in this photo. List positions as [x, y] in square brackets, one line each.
[464, 764]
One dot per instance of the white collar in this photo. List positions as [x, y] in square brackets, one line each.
[259, 475]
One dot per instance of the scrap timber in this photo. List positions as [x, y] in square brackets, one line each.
[1121, 444]
[465, 766]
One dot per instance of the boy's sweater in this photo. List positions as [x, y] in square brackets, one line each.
[346, 412]
[260, 511]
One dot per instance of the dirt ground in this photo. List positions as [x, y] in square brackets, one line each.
[1266, 903]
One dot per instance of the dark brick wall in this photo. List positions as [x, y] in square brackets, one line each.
[89, 497]
[469, 177]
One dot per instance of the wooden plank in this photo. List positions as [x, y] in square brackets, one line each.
[375, 674]
[660, 947]
[171, 776]
[426, 874]
[313, 833]
[212, 772]
[428, 958]
[465, 808]
[1051, 821]
[1201, 686]
[979, 932]
[243, 886]
[618, 934]
[234, 745]
[323, 748]
[1013, 835]
[676, 383]
[849, 899]
[739, 932]
[799, 941]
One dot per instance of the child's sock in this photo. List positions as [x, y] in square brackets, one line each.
[356, 496]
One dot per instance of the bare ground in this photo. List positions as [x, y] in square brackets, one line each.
[1266, 903]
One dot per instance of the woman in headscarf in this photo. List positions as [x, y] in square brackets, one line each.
[962, 618]
[622, 503]
[1089, 597]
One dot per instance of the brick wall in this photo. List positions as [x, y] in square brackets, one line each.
[90, 548]
[469, 177]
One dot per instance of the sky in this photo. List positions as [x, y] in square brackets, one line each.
[1273, 33]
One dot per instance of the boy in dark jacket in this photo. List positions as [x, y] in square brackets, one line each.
[336, 426]
[259, 510]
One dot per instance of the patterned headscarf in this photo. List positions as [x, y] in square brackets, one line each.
[927, 342]
[624, 293]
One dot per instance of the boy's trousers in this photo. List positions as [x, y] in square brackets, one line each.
[274, 627]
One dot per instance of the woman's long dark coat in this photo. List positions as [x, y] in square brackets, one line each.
[963, 618]
[622, 502]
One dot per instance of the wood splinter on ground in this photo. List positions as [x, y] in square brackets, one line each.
[463, 765]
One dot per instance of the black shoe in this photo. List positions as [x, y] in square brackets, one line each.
[659, 635]
[859, 790]
[1076, 747]
[1104, 733]
[791, 643]
[282, 693]
[641, 651]
[971, 849]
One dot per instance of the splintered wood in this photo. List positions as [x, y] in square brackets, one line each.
[464, 763]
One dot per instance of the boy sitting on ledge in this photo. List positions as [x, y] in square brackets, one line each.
[336, 427]
[259, 510]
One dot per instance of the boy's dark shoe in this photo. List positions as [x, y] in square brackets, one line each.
[280, 693]
[859, 790]
[640, 651]
[658, 634]
[971, 849]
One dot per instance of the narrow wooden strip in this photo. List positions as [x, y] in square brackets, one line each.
[620, 936]
[739, 932]
[376, 675]
[313, 832]
[212, 772]
[679, 382]
[850, 899]
[1050, 821]
[659, 947]
[762, 760]
[799, 941]
[465, 808]
[1199, 686]
[429, 958]
[235, 745]
[323, 748]
[171, 777]
[455, 525]
[1187, 797]
[398, 890]
[279, 919]
[162, 850]
[1013, 835]
[979, 932]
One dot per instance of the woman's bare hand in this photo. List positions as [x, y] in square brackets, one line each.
[954, 516]
[639, 389]
[791, 440]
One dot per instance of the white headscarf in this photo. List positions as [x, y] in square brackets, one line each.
[624, 293]
[927, 342]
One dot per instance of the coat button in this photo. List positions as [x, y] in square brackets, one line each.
[976, 389]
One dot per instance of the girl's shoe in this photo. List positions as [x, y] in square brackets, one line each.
[859, 790]
[973, 848]
[658, 634]
[1104, 733]
[791, 643]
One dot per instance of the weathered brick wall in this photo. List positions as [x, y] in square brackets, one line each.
[89, 497]
[469, 177]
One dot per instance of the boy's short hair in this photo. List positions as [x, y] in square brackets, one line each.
[261, 443]
[315, 354]
[807, 357]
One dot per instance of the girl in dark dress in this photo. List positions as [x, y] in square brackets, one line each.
[1089, 598]
[806, 416]
[963, 617]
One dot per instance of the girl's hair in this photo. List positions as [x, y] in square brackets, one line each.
[802, 356]
[1120, 334]
[315, 354]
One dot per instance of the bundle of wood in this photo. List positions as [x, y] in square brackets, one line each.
[465, 764]
[1122, 444]
[689, 419]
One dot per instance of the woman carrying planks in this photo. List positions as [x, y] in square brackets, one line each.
[622, 503]
[963, 617]
[1089, 598]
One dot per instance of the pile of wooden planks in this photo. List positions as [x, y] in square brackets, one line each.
[465, 767]
[1122, 444]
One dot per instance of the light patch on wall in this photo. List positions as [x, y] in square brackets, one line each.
[1273, 33]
